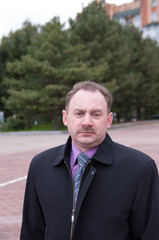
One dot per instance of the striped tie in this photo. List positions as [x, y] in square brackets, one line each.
[82, 161]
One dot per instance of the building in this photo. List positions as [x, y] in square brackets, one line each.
[143, 14]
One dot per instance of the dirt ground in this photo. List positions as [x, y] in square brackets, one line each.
[17, 150]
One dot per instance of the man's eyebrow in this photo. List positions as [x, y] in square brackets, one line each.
[96, 110]
[78, 109]
[84, 110]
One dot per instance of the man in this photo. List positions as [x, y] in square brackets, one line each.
[117, 194]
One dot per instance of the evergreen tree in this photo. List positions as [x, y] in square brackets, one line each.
[12, 48]
[36, 73]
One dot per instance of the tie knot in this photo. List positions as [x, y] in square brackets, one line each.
[82, 159]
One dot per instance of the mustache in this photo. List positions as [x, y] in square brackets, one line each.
[86, 129]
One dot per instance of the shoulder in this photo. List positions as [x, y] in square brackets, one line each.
[50, 157]
[129, 157]
[130, 153]
[135, 162]
[49, 152]
[47, 157]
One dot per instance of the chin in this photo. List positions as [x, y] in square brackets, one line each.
[87, 137]
[86, 141]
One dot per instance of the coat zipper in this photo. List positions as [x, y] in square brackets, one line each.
[74, 207]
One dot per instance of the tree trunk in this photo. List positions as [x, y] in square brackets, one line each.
[55, 120]
[118, 117]
[138, 113]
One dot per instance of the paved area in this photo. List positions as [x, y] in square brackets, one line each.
[17, 150]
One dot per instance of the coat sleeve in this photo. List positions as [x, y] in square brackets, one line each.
[145, 211]
[33, 223]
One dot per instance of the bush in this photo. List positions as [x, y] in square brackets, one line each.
[13, 124]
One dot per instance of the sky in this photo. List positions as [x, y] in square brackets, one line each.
[13, 13]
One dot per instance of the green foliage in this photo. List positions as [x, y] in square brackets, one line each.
[13, 124]
[39, 64]
[12, 48]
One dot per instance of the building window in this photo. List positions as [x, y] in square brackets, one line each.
[137, 21]
[151, 32]
[154, 17]
[122, 21]
[154, 3]
[128, 21]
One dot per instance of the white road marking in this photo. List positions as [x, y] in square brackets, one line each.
[12, 181]
[10, 219]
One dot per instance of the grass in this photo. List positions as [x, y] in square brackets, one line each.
[42, 127]
[45, 127]
[38, 127]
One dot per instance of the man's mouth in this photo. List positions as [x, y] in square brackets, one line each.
[87, 132]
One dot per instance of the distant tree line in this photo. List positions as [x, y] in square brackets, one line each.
[39, 64]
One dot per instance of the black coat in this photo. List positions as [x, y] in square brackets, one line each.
[118, 199]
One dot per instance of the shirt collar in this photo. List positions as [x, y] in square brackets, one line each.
[104, 154]
[76, 151]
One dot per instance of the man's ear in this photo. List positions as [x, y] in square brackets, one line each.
[110, 119]
[64, 117]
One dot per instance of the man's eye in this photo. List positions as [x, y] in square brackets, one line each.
[96, 115]
[79, 114]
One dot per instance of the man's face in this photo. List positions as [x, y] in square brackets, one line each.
[87, 119]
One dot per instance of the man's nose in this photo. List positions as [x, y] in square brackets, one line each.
[87, 120]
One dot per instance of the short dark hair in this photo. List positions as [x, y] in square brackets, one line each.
[92, 87]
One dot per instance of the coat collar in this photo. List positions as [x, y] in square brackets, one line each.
[104, 154]
[64, 153]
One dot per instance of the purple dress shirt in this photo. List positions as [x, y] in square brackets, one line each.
[74, 153]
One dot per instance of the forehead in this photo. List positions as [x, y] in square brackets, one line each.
[88, 99]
